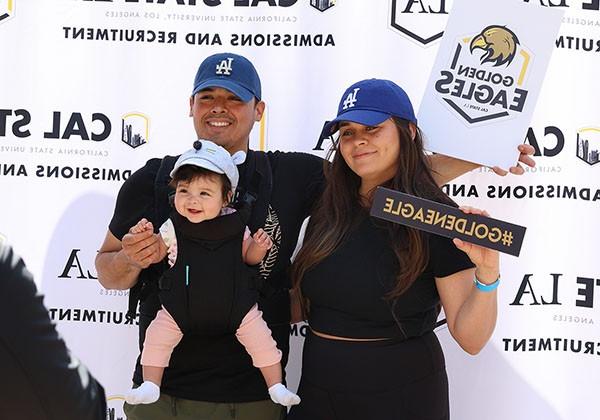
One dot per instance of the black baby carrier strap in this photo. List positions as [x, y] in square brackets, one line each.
[256, 185]
[254, 192]
[163, 194]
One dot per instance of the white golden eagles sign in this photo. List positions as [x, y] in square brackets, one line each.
[487, 76]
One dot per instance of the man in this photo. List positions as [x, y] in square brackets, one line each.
[40, 380]
[212, 377]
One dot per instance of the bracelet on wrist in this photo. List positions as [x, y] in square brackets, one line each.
[486, 287]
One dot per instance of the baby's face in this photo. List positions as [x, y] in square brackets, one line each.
[199, 200]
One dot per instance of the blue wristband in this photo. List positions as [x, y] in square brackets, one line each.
[486, 287]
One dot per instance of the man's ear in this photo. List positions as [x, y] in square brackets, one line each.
[259, 109]
[191, 106]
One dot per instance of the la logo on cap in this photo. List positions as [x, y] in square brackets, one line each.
[224, 67]
[351, 99]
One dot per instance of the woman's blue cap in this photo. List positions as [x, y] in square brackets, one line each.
[371, 102]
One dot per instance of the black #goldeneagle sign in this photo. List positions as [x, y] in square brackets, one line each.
[448, 221]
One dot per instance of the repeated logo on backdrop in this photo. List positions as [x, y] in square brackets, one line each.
[78, 267]
[94, 127]
[555, 290]
[67, 134]
[588, 144]
[322, 5]
[421, 21]
[134, 129]
[551, 143]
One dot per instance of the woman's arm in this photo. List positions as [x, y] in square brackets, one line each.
[471, 312]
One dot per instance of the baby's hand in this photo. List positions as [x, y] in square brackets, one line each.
[262, 239]
[172, 254]
[141, 226]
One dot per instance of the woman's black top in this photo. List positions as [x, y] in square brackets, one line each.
[347, 289]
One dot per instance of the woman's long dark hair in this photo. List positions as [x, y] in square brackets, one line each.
[341, 208]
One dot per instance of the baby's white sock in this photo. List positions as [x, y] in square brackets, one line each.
[281, 395]
[146, 393]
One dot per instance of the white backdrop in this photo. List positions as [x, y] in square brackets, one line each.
[70, 77]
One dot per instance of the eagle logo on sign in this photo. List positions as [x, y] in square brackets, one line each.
[480, 87]
[499, 44]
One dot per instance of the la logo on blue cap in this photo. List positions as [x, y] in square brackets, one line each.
[350, 99]
[224, 67]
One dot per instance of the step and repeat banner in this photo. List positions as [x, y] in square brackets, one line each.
[91, 89]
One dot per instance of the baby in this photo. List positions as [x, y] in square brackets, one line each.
[205, 236]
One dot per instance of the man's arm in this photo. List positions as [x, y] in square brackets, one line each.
[126, 250]
[119, 263]
[446, 168]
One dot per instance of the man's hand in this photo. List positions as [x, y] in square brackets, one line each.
[142, 246]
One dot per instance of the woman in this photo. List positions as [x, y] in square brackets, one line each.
[372, 289]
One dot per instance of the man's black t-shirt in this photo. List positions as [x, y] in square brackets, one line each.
[222, 370]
